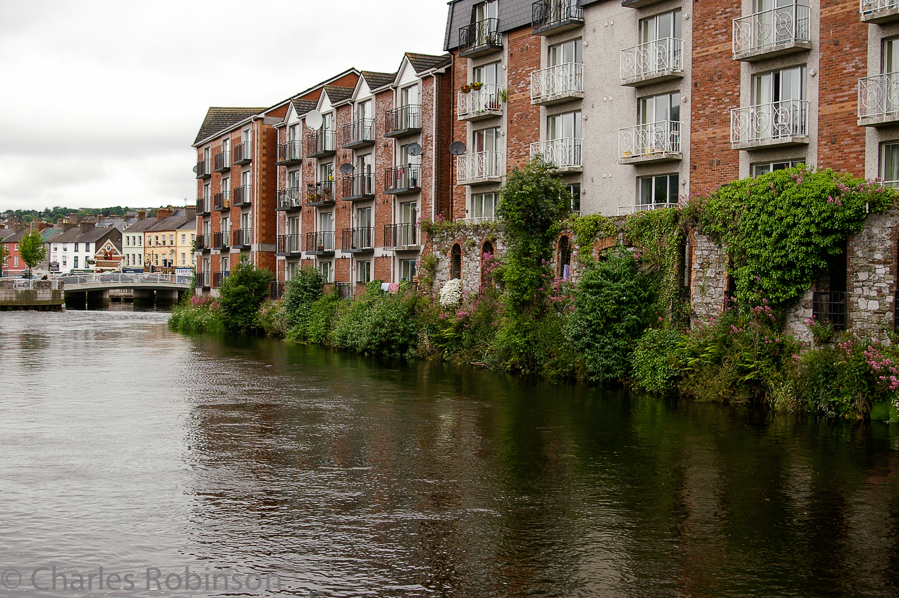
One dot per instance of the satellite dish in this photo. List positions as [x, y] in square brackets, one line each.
[346, 168]
[195, 169]
[314, 120]
[457, 148]
[413, 149]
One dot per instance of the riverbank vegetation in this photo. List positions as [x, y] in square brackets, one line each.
[622, 319]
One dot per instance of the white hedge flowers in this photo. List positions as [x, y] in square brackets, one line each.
[451, 293]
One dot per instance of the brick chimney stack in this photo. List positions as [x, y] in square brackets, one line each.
[141, 214]
[163, 213]
[86, 226]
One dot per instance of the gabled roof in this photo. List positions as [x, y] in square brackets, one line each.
[378, 80]
[190, 224]
[426, 62]
[6, 232]
[301, 107]
[338, 94]
[68, 236]
[16, 236]
[141, 225]
[219, 119]
[96, 234]
[49, 233]
[171, 223]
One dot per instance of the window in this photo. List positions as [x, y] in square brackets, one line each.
[765, 168]
[183, 238]
[566, 53]
[76, 261]
[575, 191]
[564, 140]
[660, 48]
[226, 265]
[293, 179]
[407, 270]
[363, 272]
[292, 269]
[486, 140]
[76, 247]
[488, 74]
[171, 239]
[889, 164]
[483, 206]
[659, 191]
[246, 179]
[183, 259]
[325, 269]
[456, 262]
[660, 108]
[779, 107]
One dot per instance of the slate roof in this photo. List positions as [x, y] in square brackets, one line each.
[378, 80]
[173, 222]
[426, 62]
[5, 232]
[301, 107]
[97, 234]
[49, 233]
[512, 15]
[219, 119]
[338, 94]
[15, 237]
[189, 224]
[68, 236]
[142, 225]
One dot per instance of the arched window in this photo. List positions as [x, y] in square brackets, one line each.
[456, 262]
[564, 263]
[486, 254]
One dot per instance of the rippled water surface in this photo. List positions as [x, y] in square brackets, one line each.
[126, 446]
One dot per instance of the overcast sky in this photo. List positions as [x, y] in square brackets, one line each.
[100, 100]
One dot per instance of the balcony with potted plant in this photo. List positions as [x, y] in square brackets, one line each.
[320, 194]
[477, 101]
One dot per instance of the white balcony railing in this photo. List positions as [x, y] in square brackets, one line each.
[479, 219]
[650, 139]
[867, 7]
[878, 96]
[479, 166]
[557, 82]
[769, 122]
[653, 58]
[765, 30]
[486, 101]
[644, 207]
[562, 153]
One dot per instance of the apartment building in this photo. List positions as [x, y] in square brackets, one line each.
[360, 165]
[133, 243]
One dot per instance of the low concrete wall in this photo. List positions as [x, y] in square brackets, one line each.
[39, 298]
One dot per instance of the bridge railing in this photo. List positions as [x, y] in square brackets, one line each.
[116, 278]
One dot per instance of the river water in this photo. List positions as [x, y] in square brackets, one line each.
[181, 459]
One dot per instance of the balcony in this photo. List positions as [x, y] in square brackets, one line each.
[650, 142]
[320, 243]
[203, 206]
[401, 237]
[218, 278]
[402, 179]
[221, 161]
[320, 144]
[644, 207]
[775, 32]
[638, 3]
[243, 153]
[563, 153]
[652, 62]
[479, 167]
[243, 196]
[241, 238]
[358, 240]
[202, 243]
[359, 133]
[289, 199]
[555, 16]
[358, 187]
[484, 102]
[775, 124]
[482, 37]
[560, 83]
[289, 245]
[320, 194]
[222, 201]
[878, 100]
[405, 120]
[204, 170]
[202, 280]
[879, 11]
[290, 153]
[220, 240]
[829, 307]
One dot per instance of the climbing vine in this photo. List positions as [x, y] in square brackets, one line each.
[587, 228]
[659, 243]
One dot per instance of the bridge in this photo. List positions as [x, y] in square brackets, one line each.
[150, 289]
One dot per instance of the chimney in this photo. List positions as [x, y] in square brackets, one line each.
[191, 212]
[73, 217]
[163, 213]
[42, 225]
[141, 214]
[86, 226]
[60, 221]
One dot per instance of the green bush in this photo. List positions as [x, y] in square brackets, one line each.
[273, 318]
[197, 314]
[300, 292]
[656, 360]
[242, 293]
[378, 323]
[611, 310]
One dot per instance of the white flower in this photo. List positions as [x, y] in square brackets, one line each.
[451, 293]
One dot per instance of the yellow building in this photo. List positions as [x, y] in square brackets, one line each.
[163, 247]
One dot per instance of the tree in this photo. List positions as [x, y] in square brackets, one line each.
[241, 295]
[3, 255]
[32, 249]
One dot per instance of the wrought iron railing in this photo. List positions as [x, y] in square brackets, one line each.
[203, 169]
[829, 307]
[359, 132]
[240, 237]
[203, 205]
[202, 280]
[557, 82]
[320, 241]
[650, 139]
[664, 55]
[484, 101]
[768, 29]
[222, 201]
[290, 152]
[345, 290]
[549, 14]
[242, 195]
[290, 198]
[563, 153]
[218, 278]
[357, 239]
[202, 242]
[220, 240]
[769, 122]
[868, 7]
[276, 289]
[320, 143]
[878, 96]
[289, 244]
[221, 161]
[358, 186]
[402, 178]
[399, 236]
[320, 193]
[243, 152]
[478, 166]
[481, 34]
[403, 119]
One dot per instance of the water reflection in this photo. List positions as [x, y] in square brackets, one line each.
[349, 476]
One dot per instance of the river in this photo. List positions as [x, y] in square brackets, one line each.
[180, 459]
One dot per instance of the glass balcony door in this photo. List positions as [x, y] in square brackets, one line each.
[778, 100]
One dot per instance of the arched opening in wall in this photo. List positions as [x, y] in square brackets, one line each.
[730, 288]
[487, 253]
[456, 262]
[829, 299]
[564, 261]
